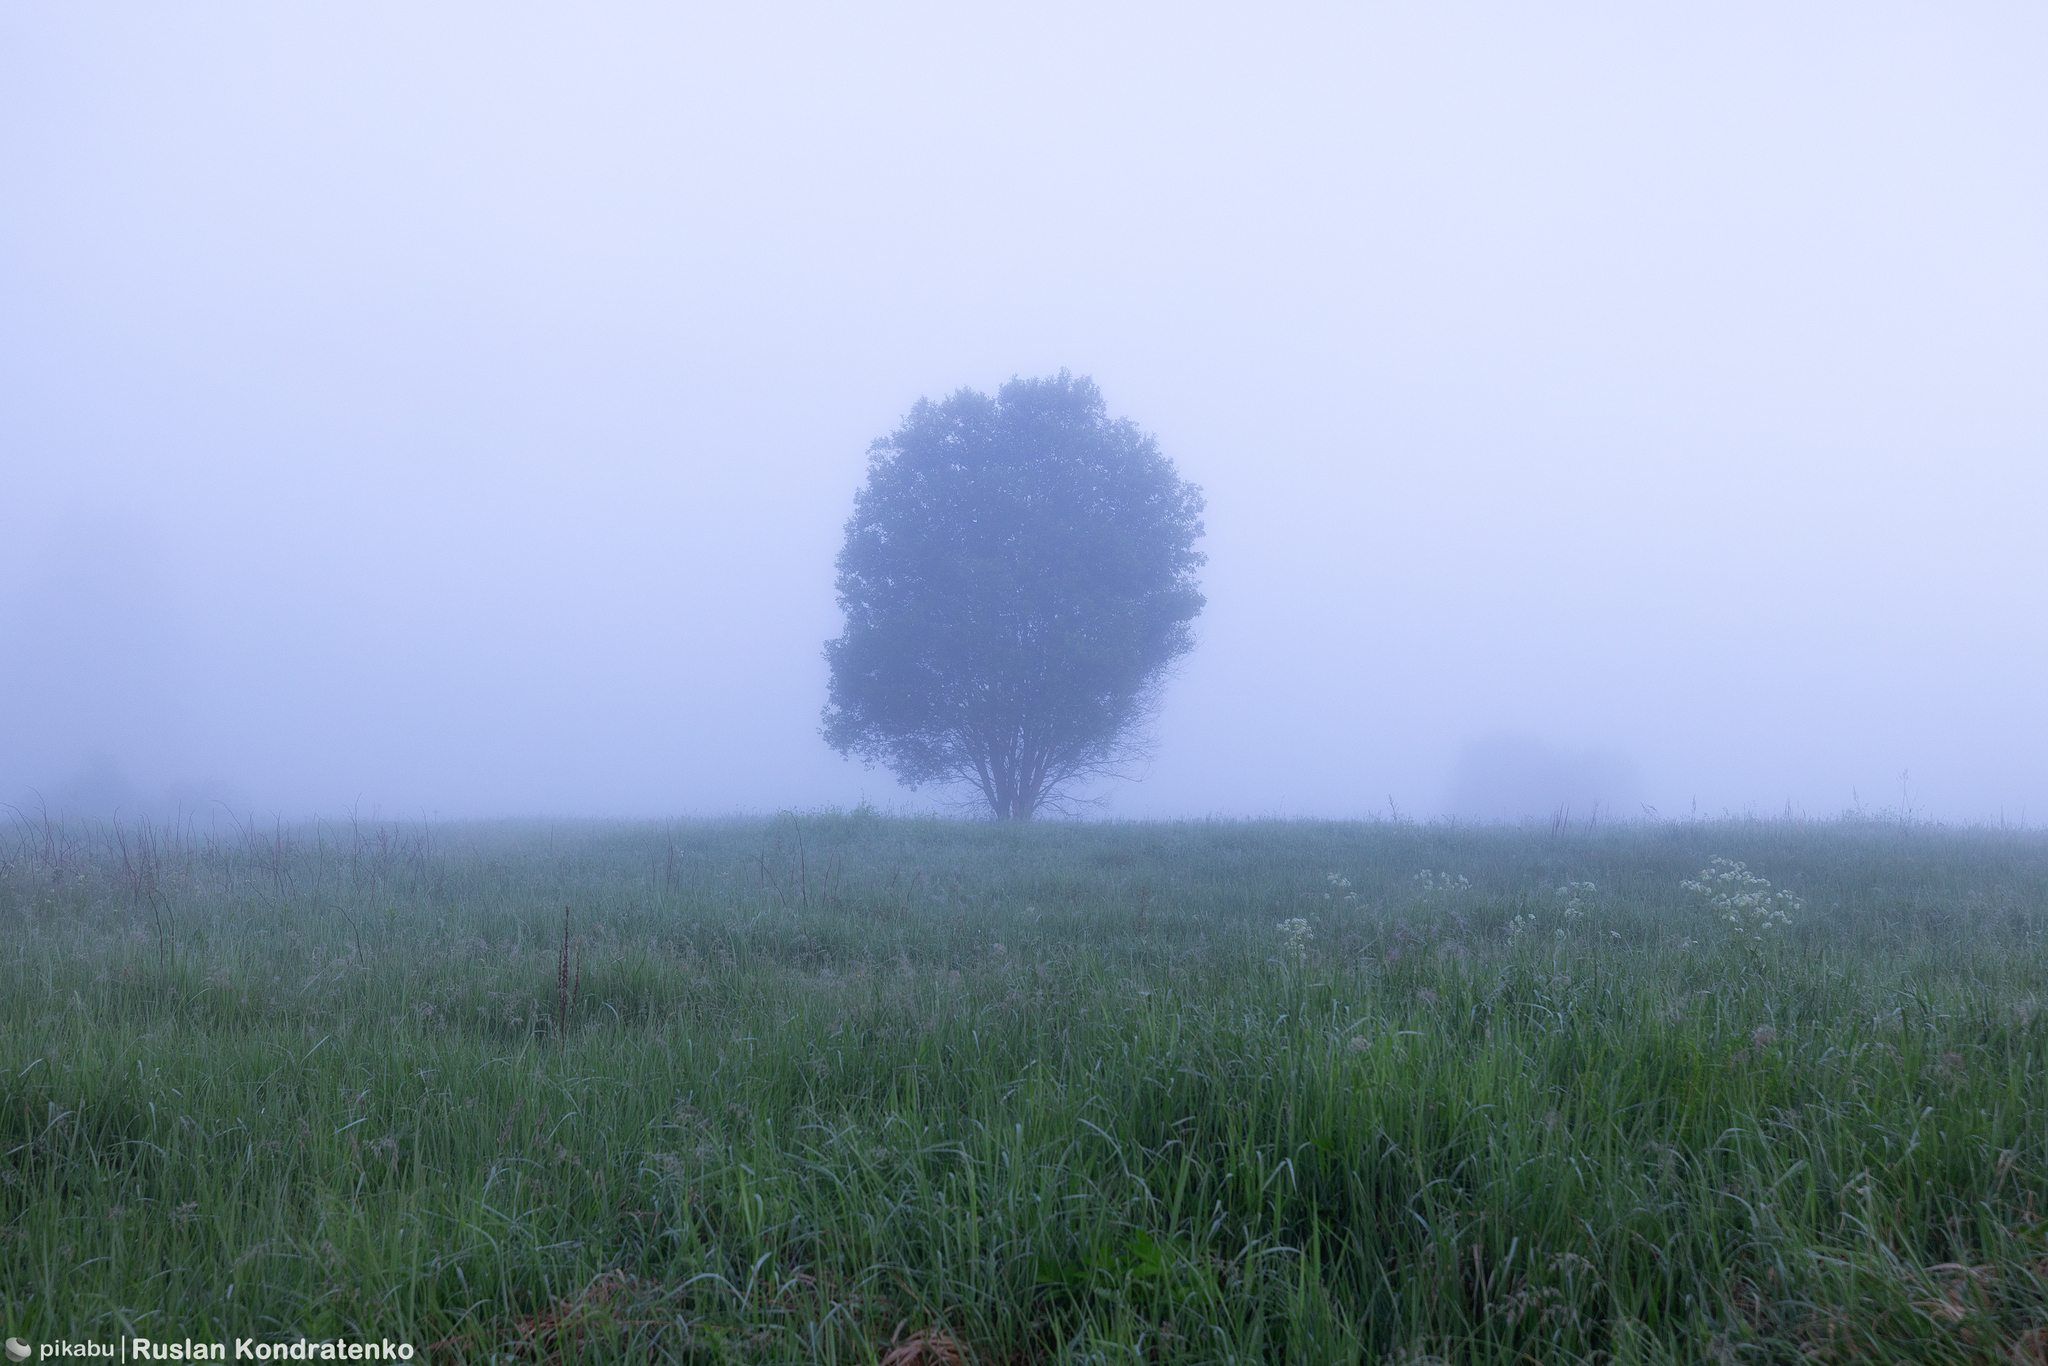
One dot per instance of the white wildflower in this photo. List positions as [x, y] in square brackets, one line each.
[1744, 901]
[1298, 934]
[1573, 898]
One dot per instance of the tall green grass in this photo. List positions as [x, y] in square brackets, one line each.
[837, 1086]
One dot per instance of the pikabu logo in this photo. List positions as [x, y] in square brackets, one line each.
[17, 1350]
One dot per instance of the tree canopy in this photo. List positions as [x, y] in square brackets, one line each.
[1018, 578]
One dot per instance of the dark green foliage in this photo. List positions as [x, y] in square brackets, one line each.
[1052, 1093]
[1017, 577]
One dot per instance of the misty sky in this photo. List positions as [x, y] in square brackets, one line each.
[430, 409]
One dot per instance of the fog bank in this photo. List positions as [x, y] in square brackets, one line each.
[456, 412]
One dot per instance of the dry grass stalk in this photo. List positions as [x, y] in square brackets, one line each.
[927, 1347]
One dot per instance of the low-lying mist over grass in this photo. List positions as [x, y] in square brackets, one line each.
[838, 1086]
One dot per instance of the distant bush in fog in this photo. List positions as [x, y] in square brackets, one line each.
[1510, 777]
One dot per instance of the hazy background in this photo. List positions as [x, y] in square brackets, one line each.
[430, 409]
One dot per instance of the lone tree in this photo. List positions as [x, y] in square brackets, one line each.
[1018, 577]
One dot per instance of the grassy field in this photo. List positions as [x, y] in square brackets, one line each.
[850, 1088]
